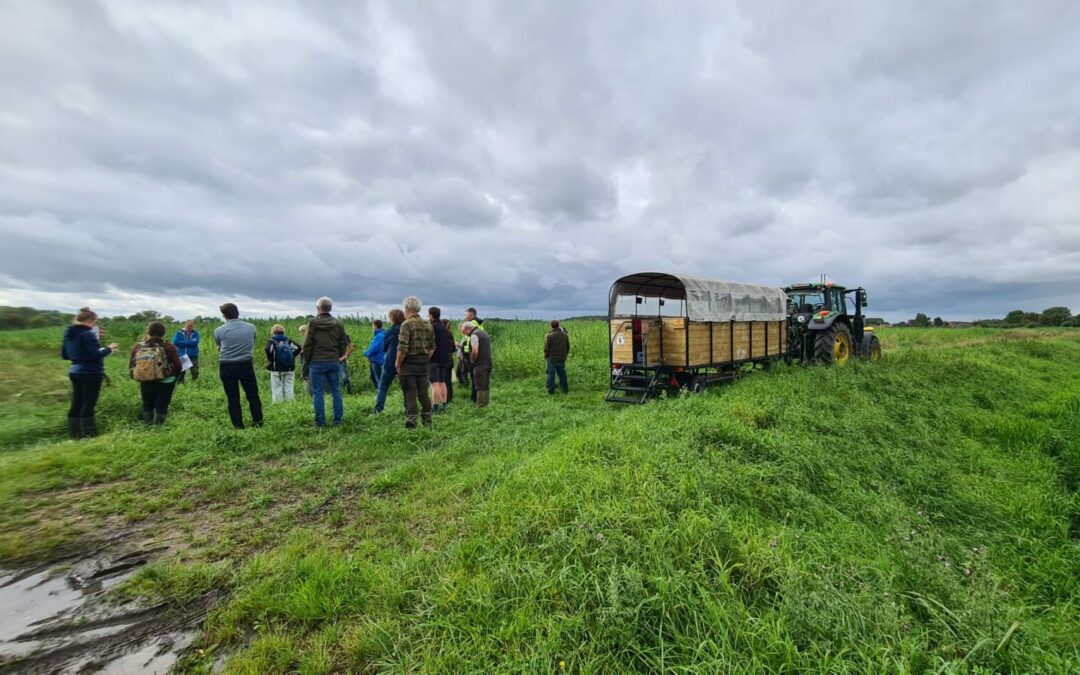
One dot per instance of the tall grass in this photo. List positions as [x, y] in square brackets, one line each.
[915, 515]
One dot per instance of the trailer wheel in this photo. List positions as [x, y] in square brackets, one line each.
[833, 345]
[871, 348]
[697, 384]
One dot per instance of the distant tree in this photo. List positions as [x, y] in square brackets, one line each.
[874, 321]
[938, 323]
[1055, 316]
[1014, 318]
[921, 320]
[13, 321]
[145, 315]
[1032, 318]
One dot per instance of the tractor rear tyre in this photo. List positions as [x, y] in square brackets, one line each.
[871, 348]
[833, 345]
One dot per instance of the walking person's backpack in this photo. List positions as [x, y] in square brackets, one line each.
[284, 359]
[151, 363]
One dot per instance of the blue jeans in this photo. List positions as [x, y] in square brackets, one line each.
[554, 367]
[343, 377]
[389, 372]
[376, 374]
[326, 373]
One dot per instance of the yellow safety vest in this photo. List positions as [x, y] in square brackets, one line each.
[466, 347]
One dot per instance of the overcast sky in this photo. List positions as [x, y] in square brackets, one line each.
[520, 156]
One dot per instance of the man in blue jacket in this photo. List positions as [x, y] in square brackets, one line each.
[374, 352]
[187, 343]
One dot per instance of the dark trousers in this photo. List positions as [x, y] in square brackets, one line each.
[156, 397]
[194, 370]
[470, 370]
[236, 374]
[414, 384]
[481, 376]
[376, 373]
[450, 386]
[85, 390]
[556, 368]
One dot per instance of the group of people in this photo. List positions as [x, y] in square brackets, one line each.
[418, 352]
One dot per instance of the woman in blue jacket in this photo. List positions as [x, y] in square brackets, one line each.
[87, 371]
[389, 371]
[374, 352]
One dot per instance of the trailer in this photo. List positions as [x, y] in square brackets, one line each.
[671, 331]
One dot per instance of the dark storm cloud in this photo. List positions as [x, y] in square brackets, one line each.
[520, 156]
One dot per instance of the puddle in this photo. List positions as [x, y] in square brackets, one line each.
[25, 602]
[61, 617]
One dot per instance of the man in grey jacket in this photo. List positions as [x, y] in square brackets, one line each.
[236, 346]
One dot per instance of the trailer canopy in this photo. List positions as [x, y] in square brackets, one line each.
[706, 299]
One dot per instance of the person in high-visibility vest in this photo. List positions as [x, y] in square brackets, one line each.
[465, 374]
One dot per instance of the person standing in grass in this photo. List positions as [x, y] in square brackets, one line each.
[390, 345]
[374, 352]
[87, 371]
[325, 349]
[281, 355]
[416, 344]
[556, 349]
[465, 362]
[450, 376]
[155, 364]
[235, 340]
[304, 378]
[186, 342]
[440, 364]
[346, 381]
[480, 355]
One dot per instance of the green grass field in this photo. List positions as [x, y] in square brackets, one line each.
[915, 515]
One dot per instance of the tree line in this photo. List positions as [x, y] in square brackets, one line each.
[1018, 318]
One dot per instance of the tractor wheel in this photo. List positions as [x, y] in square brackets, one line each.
[833, 345]
[871, 348]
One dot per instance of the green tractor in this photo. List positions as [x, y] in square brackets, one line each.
[821, 329]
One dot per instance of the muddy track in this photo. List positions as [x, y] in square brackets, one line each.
[165, 628]
[61, 617]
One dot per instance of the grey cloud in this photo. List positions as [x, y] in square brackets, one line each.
[279, 152]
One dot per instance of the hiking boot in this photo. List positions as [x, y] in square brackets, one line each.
[73, 427]
[148, 417]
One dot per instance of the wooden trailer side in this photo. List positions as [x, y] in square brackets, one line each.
[676, 333]
[622, 341]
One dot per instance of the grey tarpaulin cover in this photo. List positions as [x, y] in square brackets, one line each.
[707, 299]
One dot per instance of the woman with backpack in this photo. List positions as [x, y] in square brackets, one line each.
[87, 371]
[281, 353]
[155, 364]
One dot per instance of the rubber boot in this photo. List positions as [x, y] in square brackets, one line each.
[159, 419]
[73, 427]
[482, 398]
[148, 417]
[87, 428]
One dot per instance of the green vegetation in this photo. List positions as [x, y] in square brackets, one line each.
[914, 515]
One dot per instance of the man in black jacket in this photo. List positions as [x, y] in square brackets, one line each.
[556, 349]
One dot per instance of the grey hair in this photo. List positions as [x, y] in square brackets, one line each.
[464, 325]
[412, 303]
[324, 303]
